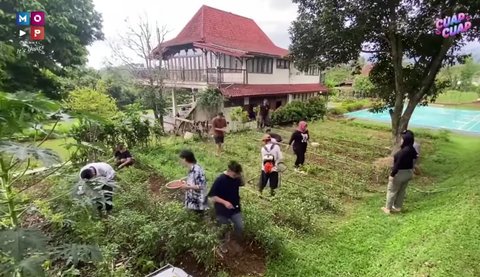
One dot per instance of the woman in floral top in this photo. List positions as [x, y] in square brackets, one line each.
[195, 185]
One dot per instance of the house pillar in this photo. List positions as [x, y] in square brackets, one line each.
[290, 98]
[246, 101]
[193, 95]
[174, 105]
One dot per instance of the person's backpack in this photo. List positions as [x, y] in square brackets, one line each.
[268, 159]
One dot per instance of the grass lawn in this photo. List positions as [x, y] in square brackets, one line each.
[58, 145]
[438, 235]
[329, 221]
[454, 97]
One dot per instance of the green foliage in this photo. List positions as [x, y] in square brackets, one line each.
[73, 26]
[337, 111]
[392, 33]
[238, 114]
[22, 252]
[363, 85]
[91, 101]
[338, 74]
[23, 110]
[96, 138]
[210, 99]
[314, 108]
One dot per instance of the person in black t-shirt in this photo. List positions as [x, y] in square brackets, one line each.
[225, 193]
[299, 140]
[402, 173]
[123, 158]
[264, 111]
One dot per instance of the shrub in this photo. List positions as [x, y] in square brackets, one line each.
[337, 111]
[91, 101]
[314, 108]
[238, 114]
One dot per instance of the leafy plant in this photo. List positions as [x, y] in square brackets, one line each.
[238, 114]
[314, 108]
[210, 99]
[91, 101]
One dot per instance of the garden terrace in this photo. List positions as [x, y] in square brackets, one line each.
[285, 234]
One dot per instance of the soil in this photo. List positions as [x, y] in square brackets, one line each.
[243, 259]
[155, 183]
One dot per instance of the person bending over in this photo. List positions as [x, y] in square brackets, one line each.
[101, 169]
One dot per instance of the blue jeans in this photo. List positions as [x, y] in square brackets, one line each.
[237, 221]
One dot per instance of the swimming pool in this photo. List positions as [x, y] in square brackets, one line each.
[433, 117]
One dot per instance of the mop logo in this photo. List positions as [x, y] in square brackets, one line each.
[453, 25]
[36, 21]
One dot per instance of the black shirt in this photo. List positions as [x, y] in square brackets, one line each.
[228, 189]
[264, 110]
[403, 159]
[299, 140]
[119, 155]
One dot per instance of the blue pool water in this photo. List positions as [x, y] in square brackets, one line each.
[433, 117]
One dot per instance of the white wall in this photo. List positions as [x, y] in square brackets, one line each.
[297, 77]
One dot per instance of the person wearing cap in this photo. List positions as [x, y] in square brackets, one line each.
[218, 126]
[402, 173]
[275, 138]
[271, 155]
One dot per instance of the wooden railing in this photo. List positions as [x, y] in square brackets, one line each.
[210, 75]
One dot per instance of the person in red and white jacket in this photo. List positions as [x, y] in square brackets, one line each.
[271, 156]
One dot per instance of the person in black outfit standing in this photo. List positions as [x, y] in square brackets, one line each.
[299, 140]
[264, 110]
[402, 173]
[225, 193]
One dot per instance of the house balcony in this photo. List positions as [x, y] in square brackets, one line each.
[204, 77]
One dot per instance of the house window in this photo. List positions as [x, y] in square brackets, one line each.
[260, 65]
[283, 64]
[312, 71]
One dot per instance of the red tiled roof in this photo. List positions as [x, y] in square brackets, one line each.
[234, 91]
[218, 28]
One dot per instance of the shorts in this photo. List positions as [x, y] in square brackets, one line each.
[219, 139]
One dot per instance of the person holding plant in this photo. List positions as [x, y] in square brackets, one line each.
[299, 141]
[402, 173]
[225, 193]
[219, 125]
[123, 158]
[94, 170]
[271, 156]
[195, 185]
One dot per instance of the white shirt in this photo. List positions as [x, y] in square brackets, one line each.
[276, 152]
[102, 169]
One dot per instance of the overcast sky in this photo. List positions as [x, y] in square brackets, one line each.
[273, 16]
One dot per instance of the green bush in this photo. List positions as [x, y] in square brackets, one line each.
[238, 114]
[337, 111]
[314, 108]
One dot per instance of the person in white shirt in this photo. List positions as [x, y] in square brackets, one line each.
[271, 156]
[93, 170]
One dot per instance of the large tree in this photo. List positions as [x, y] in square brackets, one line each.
[70, 26]
[398, 33]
